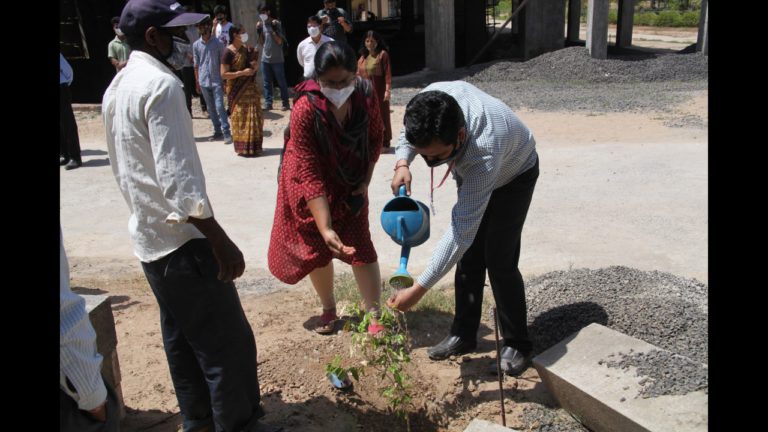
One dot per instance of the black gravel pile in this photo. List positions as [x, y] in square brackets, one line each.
[664, 373]
[575, 65]
[570, 80]
[660, 308]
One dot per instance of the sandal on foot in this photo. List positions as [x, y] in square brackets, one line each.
[327, 320]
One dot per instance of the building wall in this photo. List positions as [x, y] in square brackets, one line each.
[92, 75]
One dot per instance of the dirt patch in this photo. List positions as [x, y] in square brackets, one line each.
[292, 358]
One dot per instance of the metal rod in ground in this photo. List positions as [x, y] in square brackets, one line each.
[498, 367]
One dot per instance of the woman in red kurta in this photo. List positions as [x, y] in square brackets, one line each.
[374, 65]
[322, 203]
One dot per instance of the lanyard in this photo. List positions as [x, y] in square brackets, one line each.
[432, 185]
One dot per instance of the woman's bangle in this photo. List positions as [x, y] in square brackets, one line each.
[400, 166]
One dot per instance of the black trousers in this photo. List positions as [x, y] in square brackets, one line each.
[72, 419]
[187, 77]
[497, 249]
[69, 140]
[208, 341]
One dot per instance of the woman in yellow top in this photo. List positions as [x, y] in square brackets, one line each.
[373, 64]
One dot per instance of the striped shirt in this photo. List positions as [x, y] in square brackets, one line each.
[65, 71]
[79, 363]
[499, 147]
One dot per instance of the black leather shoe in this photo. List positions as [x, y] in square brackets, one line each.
[63, 160]
[513, 362]
[451, 345]
[73, 164]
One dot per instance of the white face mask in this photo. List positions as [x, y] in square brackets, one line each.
[244, 37]
[118, 31]
[338, 96]
[263, 17]
[313, 31]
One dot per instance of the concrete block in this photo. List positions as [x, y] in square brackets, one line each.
[594, 392]
[110, 369]
[478, 425]
[120, 401]
[99, 310]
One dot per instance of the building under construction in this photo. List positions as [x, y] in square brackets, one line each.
[434, 34]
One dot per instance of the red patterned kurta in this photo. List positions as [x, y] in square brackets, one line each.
[296, 246]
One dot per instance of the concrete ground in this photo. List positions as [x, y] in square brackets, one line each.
[615, 189]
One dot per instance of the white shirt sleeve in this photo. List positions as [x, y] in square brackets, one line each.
[79, 363]
[404, 149]
[179, 171]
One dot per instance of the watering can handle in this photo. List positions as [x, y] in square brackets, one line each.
[401, 192]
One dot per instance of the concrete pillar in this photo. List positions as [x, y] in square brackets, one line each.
[440, 35]
[597, 29]
[99, 310]
[514, 26]
[246, 13]
[624, 23]
[702, 41]
[574, 19]
[543, 27]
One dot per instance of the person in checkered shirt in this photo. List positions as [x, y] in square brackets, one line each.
[492, 156]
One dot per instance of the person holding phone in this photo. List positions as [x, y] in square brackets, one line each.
[335, 21]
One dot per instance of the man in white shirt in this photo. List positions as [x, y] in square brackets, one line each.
[308, 47]
[221, 25]
[188, 259]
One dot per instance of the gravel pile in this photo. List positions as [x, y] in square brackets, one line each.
[575, 65]
[664, 373]
[662, 309]
[570, 80]
[542, 419]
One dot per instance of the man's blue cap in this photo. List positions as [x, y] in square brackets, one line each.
[139, 15]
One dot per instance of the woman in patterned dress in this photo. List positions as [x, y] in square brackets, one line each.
[334, 140]
[239, 64]
[373, 64]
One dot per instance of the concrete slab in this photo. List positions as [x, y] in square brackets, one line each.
[478, 425]
[603, 398]
[99, 311]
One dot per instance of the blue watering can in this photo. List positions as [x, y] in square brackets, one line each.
[407, 223]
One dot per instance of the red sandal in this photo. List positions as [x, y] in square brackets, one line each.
[327, 321]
